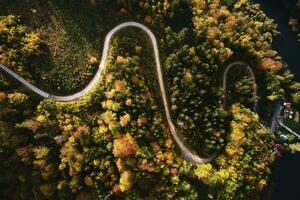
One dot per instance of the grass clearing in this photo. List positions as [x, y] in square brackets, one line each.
[72, 32]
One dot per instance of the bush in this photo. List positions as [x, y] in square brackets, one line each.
[114, 143]
[243, 170]
[17, 45]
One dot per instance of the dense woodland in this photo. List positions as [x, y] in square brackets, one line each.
[115, 143]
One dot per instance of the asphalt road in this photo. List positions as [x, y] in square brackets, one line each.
[251, 73]
[287, 175]
[186, 153]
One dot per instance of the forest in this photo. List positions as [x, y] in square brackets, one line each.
[115, 142]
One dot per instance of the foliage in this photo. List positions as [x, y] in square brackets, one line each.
[114, 143]
[17, 45]
[294, 18]
[189, 101]
[295, 147]
[253, 29]
[117, 152]
[240, 87]
[197, 58]
[243, 170]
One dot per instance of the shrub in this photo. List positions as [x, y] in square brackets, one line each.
[18, 45]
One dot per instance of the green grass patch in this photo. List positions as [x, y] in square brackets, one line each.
[73, 32]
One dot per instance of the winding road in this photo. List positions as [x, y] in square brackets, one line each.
[251, 73]
[185, 152]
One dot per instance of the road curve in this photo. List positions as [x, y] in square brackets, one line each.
[247, 67]
[185, 152]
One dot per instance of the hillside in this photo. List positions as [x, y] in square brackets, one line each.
[179, 109]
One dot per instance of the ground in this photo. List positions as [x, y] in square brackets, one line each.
[115, 142]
